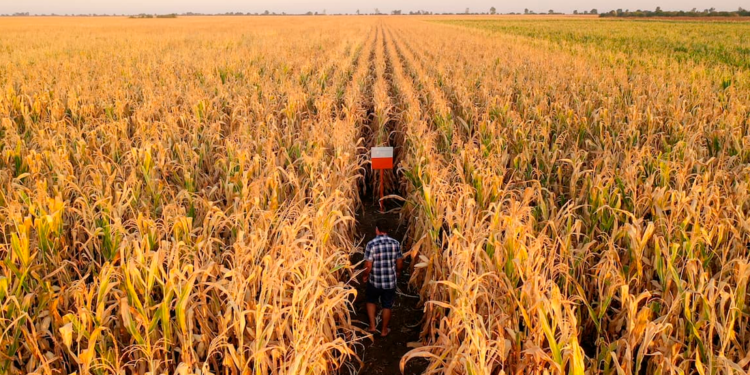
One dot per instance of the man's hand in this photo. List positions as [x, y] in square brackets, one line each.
[368, 269]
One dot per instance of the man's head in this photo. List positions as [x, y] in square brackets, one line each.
[380, 227]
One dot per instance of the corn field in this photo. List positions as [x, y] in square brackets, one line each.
[178, 196]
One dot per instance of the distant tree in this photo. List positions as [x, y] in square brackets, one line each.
[594, 11]
[266, 13]
[467, 11]
[493, 10]
[526, 11]
[396, 12]
[357, 11]
[551, 11]
[377, 11]
[575, 12]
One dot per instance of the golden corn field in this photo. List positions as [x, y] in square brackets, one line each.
[178, 196]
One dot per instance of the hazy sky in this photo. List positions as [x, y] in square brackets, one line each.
[342, 6]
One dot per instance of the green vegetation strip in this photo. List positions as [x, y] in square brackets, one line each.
[711, 43]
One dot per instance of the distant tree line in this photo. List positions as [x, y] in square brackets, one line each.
[710, 12]
[395, 12]
[592, 11]
[27, 14]
[529, 11]
[143, 15]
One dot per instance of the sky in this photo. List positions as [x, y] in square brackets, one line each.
[343, 6]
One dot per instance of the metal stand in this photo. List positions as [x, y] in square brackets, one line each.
[382, 206]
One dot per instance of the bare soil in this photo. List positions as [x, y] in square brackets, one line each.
[382, 355]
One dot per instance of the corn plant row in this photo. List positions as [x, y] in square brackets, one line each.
[168, 213]
[597, 216]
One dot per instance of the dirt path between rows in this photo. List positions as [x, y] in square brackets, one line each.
[382, 355]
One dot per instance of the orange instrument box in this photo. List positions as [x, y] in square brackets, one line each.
[382, 157]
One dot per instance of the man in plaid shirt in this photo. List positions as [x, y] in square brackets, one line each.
[383, 262]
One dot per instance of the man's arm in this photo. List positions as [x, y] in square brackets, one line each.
[368, 269]
[399, 261]
[368, 263]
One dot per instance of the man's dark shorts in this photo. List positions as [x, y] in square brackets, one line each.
[386, 296]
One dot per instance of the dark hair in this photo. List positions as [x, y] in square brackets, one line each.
[381, 224]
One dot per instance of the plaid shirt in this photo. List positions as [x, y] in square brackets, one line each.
[383, 252]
